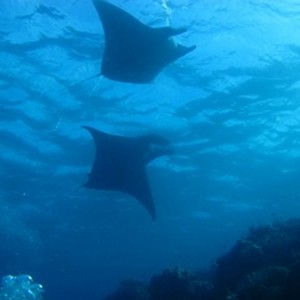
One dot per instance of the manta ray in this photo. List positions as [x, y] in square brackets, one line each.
[120, 164]
[133, 51]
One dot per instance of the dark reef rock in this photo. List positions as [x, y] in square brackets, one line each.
[264, 284]
[178, 284]
[266, 252]
[292, 286]
[265, 265]
[130, 290]
[244, 258]
[170, 284]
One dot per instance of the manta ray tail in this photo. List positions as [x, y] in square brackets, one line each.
[86, 80]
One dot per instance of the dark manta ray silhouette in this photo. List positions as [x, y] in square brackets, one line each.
[133, 51]
[120, 164]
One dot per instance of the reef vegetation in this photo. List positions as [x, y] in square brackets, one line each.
[264, 265]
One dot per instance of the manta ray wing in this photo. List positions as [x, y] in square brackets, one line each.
[133, 51]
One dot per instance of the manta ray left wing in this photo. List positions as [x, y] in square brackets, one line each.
[120, 164]
[135, 52]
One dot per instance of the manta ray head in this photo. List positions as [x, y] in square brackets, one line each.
[156, 146]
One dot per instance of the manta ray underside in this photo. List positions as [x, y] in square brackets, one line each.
[120, 164]
[135, 52]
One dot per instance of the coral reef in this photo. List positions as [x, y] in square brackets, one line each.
[130, 289]
[20, 287]
[265, 265]
[178, 284]
[261, 266]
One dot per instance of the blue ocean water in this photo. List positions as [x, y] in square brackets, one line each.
[230, 108]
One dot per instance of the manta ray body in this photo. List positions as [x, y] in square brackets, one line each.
[135, 52]
[120, 164]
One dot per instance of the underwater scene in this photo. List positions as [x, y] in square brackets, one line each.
[150, 150]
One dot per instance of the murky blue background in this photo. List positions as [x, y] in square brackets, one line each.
[231, 109]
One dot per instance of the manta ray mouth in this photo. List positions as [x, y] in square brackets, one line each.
[161, 150]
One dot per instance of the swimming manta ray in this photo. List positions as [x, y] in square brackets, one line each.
[120, 164]
[135, 52]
